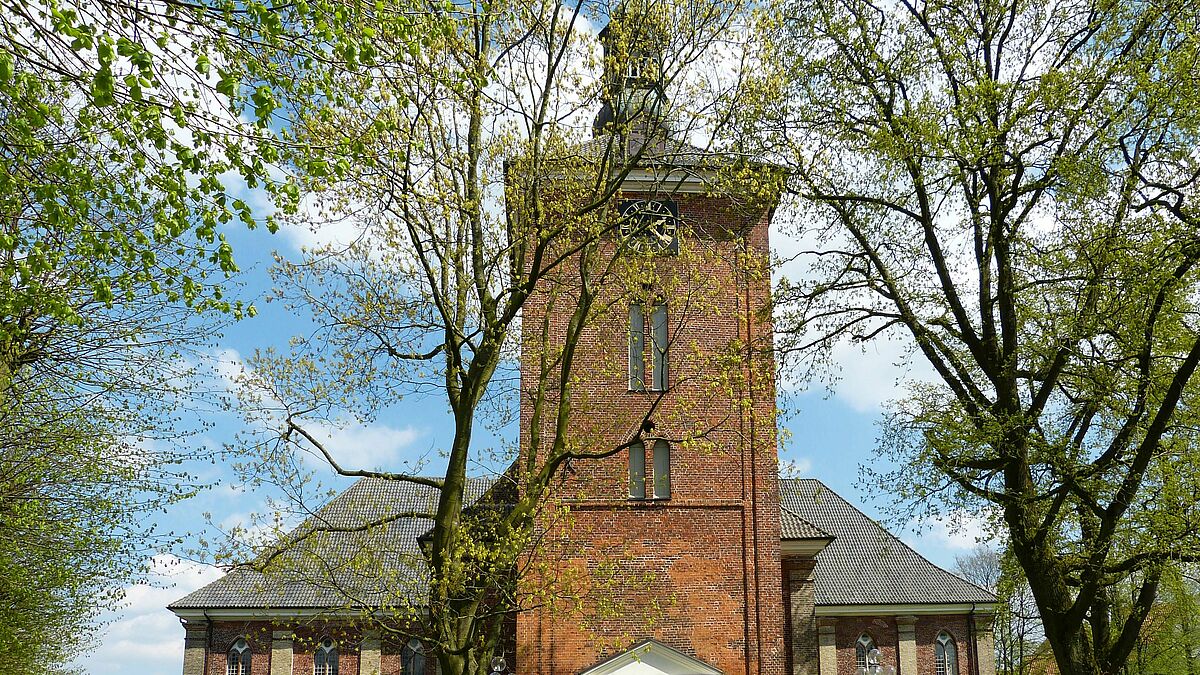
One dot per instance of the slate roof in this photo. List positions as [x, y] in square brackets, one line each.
[654, 149]
[336, 569]
[792, 526]
[865, 564]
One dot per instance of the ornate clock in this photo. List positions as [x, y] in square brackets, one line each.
[651, 224]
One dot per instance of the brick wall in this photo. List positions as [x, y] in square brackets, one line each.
[958, 627]
[307, 639]
[225, 634]
[701, 571]
[304, 645]
[882, 629]
[800, 622]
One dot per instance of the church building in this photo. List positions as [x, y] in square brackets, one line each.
[713, 564]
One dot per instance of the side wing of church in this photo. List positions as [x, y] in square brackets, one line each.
[846, 585]
[709, 563]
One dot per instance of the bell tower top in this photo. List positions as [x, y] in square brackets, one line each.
[633, 92]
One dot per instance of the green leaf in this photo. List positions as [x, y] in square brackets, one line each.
[103, 88]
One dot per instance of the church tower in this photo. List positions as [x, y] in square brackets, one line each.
[660, 547]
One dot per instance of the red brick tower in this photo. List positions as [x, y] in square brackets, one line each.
[674, 535]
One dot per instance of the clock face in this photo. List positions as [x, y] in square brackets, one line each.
[651, 224]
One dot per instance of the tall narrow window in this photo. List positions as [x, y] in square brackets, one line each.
[237, 661]
[325, 660]
[637, 471]
[412, 658]
[662, 470]
[861, 648]
[637, 348]
[945, 655]
[658, 326]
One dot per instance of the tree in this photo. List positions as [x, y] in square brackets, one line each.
[1015, 627]
[1169, 633]
[121, 128]
[483, 197]
[1010, 188]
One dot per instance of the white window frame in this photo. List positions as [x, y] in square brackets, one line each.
[240, 658]
[326, 648]
[862, 647]
[945, 651]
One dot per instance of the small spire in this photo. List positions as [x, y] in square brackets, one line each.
[634, 92]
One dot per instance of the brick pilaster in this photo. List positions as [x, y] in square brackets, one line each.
[827, 632]
[370, 659]
[195, 644]
[906, 630]
[985, 648]
[281, 652]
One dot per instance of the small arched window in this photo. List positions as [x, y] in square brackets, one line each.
[637, 471]
[662, 470]
[658, 337]
[945, 655]
[237, 661]
[861, 648]
[412, 658]
[325, 660]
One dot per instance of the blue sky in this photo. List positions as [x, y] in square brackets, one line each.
[833, 433]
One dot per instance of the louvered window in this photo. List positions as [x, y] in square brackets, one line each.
[658, 336]
[662, 470]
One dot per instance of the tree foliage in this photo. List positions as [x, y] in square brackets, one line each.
[1016, 630]
[470, 167]
[1010, 187]
[124, 130]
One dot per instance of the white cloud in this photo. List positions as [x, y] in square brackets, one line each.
[144, 637]
[229, 367]
[324, 221]
[359, 446]
[794, 468]
[255, 529]
[876, 373]
[957, 531]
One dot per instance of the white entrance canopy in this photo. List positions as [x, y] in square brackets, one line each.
[651, 657]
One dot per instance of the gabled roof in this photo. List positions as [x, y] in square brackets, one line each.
[355, 569]
[862, 564]
[651, 657]
[792, 526]
[865, 564]
[655, 149]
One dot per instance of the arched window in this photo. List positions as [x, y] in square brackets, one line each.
[658, 336]
[662, 470]
[637, 471]
[237, 662]
[412, 658]
[861, 648]
[325, 660]
[637, 348]
[945, 655]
